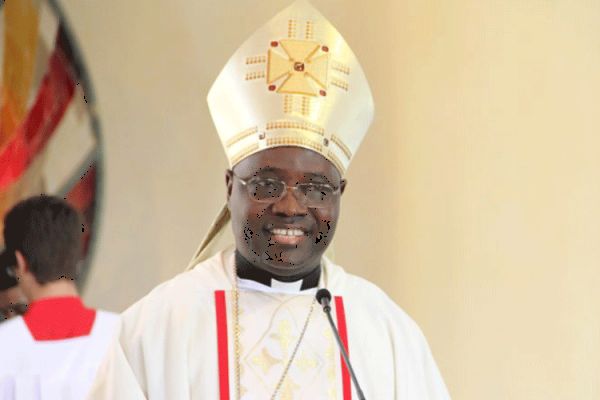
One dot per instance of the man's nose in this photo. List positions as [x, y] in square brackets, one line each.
[289, 204]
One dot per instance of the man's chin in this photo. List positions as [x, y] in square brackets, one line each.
[285, 265]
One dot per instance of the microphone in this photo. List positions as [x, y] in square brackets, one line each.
[324, 298]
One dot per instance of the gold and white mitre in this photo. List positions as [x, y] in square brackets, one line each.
[295, 82]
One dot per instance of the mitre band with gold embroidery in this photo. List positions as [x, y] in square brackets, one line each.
[295, 82]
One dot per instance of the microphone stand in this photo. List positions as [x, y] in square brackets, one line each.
[324, 300]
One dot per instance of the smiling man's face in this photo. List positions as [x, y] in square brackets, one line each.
[286, 237]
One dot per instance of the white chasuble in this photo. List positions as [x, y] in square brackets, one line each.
[179, 342]
[271, 325]
[51, 369]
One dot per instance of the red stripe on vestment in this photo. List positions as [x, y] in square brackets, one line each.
[54, 95]
[341, 320]
[222, 347]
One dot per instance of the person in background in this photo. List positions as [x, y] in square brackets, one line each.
[54, 349]
[12, 300]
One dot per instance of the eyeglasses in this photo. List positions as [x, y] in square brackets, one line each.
[311, 195]
[12, 310]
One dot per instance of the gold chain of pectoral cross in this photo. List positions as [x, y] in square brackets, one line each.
[236, 332]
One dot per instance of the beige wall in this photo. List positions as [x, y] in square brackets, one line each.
[474, 201]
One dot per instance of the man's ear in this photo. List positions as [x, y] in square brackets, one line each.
[229, 182]
[343, 186]
[22, 266]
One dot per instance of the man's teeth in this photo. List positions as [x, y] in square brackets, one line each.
[287, 232]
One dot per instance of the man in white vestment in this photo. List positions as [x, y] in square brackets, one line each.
[291, 108]
[53, 351]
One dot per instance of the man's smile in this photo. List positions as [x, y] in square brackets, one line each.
[287, 236]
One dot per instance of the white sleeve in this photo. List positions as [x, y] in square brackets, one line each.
[436, 388]
[115, 379]
[419, 377]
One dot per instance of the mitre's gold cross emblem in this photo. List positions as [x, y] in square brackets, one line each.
[303, 68]
[300, 69]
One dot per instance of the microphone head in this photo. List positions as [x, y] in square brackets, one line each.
[323, 294]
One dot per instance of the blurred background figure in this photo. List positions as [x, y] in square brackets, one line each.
[54, 349]
[12, 300]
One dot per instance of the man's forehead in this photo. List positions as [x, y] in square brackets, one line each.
[288, 160]
[267, 170]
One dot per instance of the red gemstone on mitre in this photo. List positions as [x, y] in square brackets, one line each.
[325, 49]
[274, 43]
[323, 93]
[272, 87]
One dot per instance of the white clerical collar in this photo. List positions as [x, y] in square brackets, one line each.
[254, 278]
[276, 287]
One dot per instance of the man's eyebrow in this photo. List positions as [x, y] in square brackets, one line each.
[278, 171]
[314, 175]
[266, 169]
